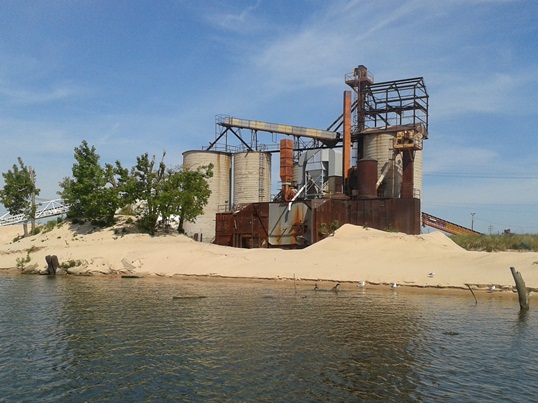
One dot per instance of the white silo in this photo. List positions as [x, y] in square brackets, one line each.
[252, 177]
[380, 147]
[220, 185]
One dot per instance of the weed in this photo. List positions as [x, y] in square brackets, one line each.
[497, 243]
[21, 262]
[70, 263]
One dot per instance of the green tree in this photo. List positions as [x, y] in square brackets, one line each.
[93, 192]
[186, 194]
[144, 189]
[161, 192]
[18, 194]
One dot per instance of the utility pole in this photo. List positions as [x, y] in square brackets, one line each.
[472, 221]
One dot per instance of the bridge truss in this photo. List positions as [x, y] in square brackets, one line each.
[46, 209]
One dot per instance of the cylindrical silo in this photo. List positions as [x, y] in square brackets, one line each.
[252, 177]
[380, 147]
[220, 186]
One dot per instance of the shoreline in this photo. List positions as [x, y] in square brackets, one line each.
[422, 263]
[304, 285]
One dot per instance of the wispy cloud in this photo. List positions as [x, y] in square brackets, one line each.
[280, 61]
[449, 157]
[28, 97]
[491, 93]
[241, 21]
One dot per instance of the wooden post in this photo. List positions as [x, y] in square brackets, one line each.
[521, 289]
[52, 264]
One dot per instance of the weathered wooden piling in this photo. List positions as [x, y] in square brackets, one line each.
[52, 264]
[521, 289]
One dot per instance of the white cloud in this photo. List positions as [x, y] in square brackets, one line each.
[485, 93]
[243, 21]
[27, 97]
[456, 156]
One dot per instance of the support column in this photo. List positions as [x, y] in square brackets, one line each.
[346, 149]
[408, 184]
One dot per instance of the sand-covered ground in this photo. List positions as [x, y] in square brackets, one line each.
[351, 255]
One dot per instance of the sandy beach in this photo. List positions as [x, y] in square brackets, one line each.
[351, 255]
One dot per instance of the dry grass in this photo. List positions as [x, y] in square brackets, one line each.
[498, 243]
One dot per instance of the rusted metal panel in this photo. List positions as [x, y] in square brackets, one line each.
[407, 215]
[328, 215]
[262, 225]
[252, 226]
[408, 175]
[244, 228]
[224, 229]
[367, 178]
[289, 224]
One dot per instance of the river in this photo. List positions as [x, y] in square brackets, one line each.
[110, 339]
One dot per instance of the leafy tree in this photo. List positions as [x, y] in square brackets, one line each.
[144, 188]
[186, 194]
[93, 192]
[162, 193]
[18, 194]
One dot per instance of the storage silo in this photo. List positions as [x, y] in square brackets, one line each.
[380, 147]
[220, 185]
[252, 177]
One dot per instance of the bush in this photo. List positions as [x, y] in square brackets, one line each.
[21, 261]
[70, 263]
[50, 225]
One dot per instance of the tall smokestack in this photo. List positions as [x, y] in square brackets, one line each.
[346, 150]
[286, 168]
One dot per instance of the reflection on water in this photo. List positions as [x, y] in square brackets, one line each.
[87, 339]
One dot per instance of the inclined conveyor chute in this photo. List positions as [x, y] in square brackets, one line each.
[325, 136]
[446, 226]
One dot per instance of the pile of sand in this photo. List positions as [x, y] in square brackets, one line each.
[351, 254]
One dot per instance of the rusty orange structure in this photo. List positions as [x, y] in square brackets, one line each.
[446, 226]
[361, 170]
[286, 168]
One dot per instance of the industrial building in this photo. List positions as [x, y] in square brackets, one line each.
[364, 169]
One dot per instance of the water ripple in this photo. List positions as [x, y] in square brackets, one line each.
[94, 339]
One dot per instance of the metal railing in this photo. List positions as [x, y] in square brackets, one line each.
[50, 208]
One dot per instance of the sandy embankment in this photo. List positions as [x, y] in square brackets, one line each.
[351, 255]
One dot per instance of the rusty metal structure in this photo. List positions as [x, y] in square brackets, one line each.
[364, 169]
[446, 226]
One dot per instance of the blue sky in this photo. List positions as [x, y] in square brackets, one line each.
[142, 76]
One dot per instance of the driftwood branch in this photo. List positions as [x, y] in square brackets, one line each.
[521, 289]
[472, 292]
